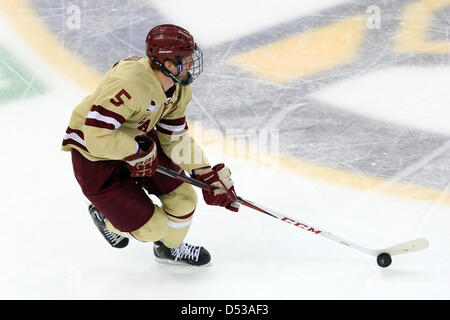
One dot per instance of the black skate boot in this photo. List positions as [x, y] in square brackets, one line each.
[114, 239]
[184, 254]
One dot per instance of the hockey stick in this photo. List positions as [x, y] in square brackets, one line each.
[383, 261]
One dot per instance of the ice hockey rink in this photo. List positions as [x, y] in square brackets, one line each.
[340, 111]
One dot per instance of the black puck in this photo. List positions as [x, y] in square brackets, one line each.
[384, 259]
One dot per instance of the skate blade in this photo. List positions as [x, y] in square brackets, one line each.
[180, 263]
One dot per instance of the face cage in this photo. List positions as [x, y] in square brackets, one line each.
[195, 62]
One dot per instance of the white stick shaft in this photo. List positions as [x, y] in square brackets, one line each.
[307, 227]
[405, 247]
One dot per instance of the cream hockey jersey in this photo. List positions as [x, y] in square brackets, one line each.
[128, 102]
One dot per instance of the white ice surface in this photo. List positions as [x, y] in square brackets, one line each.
[422, 101]
[50, 248]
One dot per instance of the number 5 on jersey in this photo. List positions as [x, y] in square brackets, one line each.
[118, 96]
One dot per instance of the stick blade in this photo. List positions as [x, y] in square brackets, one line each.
[406, 247]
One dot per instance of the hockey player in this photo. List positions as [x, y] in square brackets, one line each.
[134, 121]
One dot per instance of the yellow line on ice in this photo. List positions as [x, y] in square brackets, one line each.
[412, 33]
[23, 19]
[305, 53]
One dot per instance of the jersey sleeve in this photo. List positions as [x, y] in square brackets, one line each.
[111, 107]
[176, 142]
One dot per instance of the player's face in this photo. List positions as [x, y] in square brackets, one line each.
[188, 64]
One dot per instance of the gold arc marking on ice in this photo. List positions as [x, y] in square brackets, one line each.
[27, 24]
[412, 35]
[305, 53]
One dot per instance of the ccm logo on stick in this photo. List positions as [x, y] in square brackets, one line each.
[301, 225]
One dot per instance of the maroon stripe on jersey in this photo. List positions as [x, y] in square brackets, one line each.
[99, 124]
[75, 143]
[169, 132]
[174, 122]
[78, 132]
[182, 217]
[108, 113]
[162, 130]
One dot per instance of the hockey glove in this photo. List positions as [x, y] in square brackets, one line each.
[224, 194]
[145, 162]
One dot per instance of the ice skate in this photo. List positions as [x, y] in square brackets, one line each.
[184, 254]
[114, 239]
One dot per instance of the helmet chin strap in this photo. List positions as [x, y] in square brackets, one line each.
[167, 73]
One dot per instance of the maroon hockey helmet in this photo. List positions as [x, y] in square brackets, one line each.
[168, 41]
